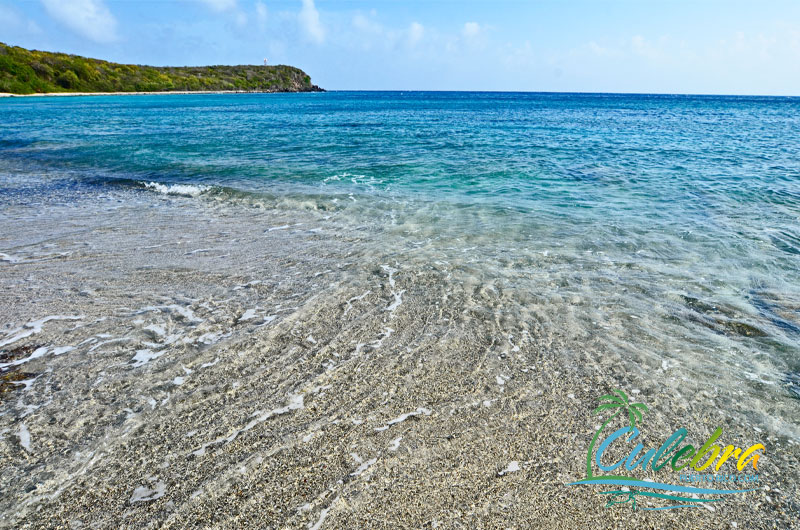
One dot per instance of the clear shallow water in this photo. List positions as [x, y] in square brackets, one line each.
[659, 233]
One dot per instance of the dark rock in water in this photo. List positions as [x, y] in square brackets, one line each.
[792, 380]
[10, 377]
[773, 312]
[703, 307]
[719, 318]
[9, 381]
[742, 328]
[17, 353]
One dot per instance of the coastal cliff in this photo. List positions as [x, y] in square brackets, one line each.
[25, 71]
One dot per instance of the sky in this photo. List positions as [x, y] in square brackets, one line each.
[645, 46]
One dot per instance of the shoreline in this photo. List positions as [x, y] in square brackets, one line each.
[211, 388]
[153, 93]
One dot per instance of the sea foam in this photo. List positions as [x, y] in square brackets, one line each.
[187, 190]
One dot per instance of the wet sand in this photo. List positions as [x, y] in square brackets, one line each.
[259, 369]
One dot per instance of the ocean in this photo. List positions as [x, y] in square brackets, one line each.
[431, 250]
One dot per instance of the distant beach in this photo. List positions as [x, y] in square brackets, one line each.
[173, 92]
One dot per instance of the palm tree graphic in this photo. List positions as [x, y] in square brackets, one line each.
[617, 401]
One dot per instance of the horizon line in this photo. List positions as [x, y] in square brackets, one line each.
[577, 92]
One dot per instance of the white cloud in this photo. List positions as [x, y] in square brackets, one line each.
[596, 49]
[220, 5]
[309, 21]
[363, 23]
[241, 19]
[471, 29]
[261, 14]
[415, 33]
[90, 18]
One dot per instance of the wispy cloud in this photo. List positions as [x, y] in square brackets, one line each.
[471, 29]
[415, 33]
[365, 24]
[261, 14]
[220, 5]
[310, 23]
[12, 21]
[90, 18]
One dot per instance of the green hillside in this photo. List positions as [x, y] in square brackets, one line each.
[29, 71]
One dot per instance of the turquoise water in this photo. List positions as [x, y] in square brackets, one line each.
[664, 230]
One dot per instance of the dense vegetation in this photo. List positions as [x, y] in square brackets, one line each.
[29, 71]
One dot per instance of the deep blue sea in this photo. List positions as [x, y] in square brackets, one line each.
[658, 230]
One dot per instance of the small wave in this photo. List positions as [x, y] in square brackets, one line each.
[188, 190]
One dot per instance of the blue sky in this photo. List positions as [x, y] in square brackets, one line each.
[669, 46]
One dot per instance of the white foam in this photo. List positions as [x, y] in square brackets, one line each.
[387, 332]
[9, 258]
[398, 299]
[156, 329]
[248, 284]
[145, 356]
[395, 445]
[180, 380]
[322, 515]
[209, 338]
[354, 299]
[209, 365]
[34, 327]
[404, 417]
[112, 341]
[185, 312]
[39, 352]
[398, 295]
[143, 493]
[24, 437]
[391, 272]
[27, 384]
[187, 190]
[513, 466]
[247, 315]
[295, 402]
[363, 467]
[62, 349]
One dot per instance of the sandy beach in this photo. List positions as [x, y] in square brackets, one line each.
[173, 92]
